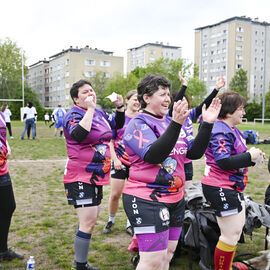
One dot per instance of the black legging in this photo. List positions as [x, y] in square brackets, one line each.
[9, 128]
[7, 207]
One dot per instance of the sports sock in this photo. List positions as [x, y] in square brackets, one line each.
[81, 246]
[128, 223]
[224, 254]
[112, 218]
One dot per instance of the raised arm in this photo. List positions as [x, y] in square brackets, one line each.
[219, 84]
[181, 92]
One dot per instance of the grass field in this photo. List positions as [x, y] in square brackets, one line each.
[43, 224]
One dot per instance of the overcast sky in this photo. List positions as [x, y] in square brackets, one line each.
[44, 28]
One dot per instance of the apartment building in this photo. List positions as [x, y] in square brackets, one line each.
[39, 80]
[238, 42]
[150, 52]
[52, 79]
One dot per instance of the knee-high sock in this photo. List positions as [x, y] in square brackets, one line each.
[81, 246]
[224, 254]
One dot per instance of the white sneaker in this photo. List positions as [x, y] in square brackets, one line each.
[11, 138]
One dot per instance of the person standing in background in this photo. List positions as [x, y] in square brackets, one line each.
[7, 113]
[46, 118]
[7, 200]
[29, 114]
[58, 115]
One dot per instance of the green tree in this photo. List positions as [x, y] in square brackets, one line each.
[10, 69]
[120, 85]
[11, 79]
[98, 81]
[239, 82]
[196, 91]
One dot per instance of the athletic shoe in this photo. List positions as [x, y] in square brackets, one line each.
[129, 230]
[10, 255]
[11, 137]
[108, 227]
[85, 267]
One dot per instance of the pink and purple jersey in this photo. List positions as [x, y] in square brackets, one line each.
[119, 144]
[225, 141]
[88, 161]
[157, 182]
[3, 145]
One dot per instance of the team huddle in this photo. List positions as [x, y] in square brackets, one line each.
[152, 146]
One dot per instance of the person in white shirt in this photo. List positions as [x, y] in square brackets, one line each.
[7, 113]
[29, 115]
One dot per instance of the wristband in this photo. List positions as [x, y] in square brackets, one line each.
[120, 107]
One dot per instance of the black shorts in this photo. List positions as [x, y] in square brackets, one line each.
[188, 167]
[120, 174]
[82, 194]
[225, 202]
[152, 216]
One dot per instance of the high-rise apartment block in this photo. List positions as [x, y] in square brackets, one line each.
[52, 79]
[239, 42]
[150, 52]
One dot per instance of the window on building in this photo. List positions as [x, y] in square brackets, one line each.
[262, 33]
[67, 85]
[239, 57]
[90, 62]
[256, 33]
[67, 73]
[105, 63]
[239, 38]
[238, 66]
[46, 99]
[152, 51]
[107, 75]
[239, 48]
[240, 29]
[88, 73]
[152, 59]
[67, 62]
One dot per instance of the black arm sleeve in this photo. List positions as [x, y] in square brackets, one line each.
[235, 162]
[179, 96]
[200, 142]
[163, 146]
[24, 116]
[207, 102]
[79, 133]
[119, 119]
[269, 164]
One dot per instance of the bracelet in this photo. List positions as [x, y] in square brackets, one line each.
[120, 107]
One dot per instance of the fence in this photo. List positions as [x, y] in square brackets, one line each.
[260, 119]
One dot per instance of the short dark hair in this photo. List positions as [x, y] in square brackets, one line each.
[75, 88]
[230, 101]
[149, 85]
[30, 104]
